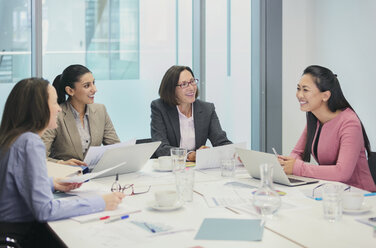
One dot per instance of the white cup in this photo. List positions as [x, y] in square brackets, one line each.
[352, 200]
[165, 163]
[166, 198]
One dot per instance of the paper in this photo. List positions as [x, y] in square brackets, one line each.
[88, 176]
[95, 153]
[61, 170]
[211, 157]
[230, 229]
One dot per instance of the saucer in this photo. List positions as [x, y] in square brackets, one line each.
[156, 167]
[365, 208]
[155, 206]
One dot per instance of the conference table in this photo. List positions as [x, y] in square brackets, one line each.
[298, 223]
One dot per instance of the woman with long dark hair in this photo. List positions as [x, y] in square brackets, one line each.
[334, 135]
[25, 188]
[82, 123]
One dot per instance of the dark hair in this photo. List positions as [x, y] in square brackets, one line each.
[325, 80]
[26, 110]
[169, 82]
[70, 75]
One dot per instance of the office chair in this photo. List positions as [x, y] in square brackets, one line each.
[10, 242]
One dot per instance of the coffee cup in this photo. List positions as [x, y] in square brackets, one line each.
[352, 200]
[166, 198]
[165, 163]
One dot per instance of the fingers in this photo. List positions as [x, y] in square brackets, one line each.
[203, 147]
[113, 200]
[77, 162]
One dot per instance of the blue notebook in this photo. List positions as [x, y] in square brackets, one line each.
[230, 229]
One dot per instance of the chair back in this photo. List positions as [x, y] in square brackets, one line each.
[372, 165]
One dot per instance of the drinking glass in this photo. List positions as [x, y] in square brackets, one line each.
[178, 157]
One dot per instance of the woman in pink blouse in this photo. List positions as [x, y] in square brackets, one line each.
[334, 135]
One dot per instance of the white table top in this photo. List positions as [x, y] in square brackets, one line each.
[302, 226]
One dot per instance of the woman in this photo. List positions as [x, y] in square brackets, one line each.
[334, 135]
[82, 123]
[25, 188]
[178, 119]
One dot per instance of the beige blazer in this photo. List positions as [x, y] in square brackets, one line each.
[64, 142]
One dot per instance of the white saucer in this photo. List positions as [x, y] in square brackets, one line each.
[155, 206]
[365, 208]
[156, 167]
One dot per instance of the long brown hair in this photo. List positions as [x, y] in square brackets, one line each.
[26, 110]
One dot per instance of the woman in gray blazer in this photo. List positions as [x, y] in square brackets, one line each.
[178, 119]
[81, 123]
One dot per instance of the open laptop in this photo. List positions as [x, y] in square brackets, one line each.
[135, 157]
[253, 159]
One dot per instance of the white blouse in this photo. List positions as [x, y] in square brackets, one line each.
[187, 131]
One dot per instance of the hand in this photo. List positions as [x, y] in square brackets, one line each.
[287, 163]
[65, 187]
[113, 200]
[191, 156]
[72, 161]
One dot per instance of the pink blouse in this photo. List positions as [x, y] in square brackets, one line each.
[340, 152]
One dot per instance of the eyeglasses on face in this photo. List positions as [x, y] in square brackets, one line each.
[185, 84]
[127, 189]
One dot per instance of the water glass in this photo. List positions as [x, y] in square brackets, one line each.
[178, 158]
[228, 167]
[332, 202]
[184, 183]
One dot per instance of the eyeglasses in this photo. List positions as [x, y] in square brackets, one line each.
[127, 189]
[317, 196]
[185, 84]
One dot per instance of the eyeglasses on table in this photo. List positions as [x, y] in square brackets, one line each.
[319, 197]
[127, 189]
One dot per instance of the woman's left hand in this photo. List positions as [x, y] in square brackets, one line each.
[65, 187]
[287, 163]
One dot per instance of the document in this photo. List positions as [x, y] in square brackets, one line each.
[230, 229]
[211, 157]
[95, 153]
[87, 176]
[61, 170]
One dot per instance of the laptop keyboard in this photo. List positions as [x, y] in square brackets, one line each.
[293, 180]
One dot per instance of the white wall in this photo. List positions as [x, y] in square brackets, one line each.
[338, 34]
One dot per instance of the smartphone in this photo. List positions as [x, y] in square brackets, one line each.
[275, 152]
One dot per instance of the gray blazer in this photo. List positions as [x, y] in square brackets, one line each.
[64, 142]
[165, 126]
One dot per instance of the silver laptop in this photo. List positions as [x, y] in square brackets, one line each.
[135, 157]
[253, 159]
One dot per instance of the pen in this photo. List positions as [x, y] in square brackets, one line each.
[116, 219]
[148, 227]
[368, 194]
[96, 219]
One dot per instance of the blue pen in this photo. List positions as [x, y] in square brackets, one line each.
[368, 194]
[148, 227]
[118, 218]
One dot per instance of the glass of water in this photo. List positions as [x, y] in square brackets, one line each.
[178, 157]
[332, 202]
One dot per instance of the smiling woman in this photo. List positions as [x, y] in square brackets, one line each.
[82, 123]
[178, 119]
[334, 135]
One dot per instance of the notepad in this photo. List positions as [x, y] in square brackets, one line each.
[230, 229]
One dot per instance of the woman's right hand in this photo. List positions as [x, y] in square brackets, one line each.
[72, 161]
[113, 200]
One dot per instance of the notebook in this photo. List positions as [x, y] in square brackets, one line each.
[135, 157]
[253, 159]
[211, 157]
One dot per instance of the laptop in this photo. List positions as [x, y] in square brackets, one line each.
[211, 157]
[253, 159]
[135, 157]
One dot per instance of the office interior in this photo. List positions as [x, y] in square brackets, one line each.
[248, 55]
